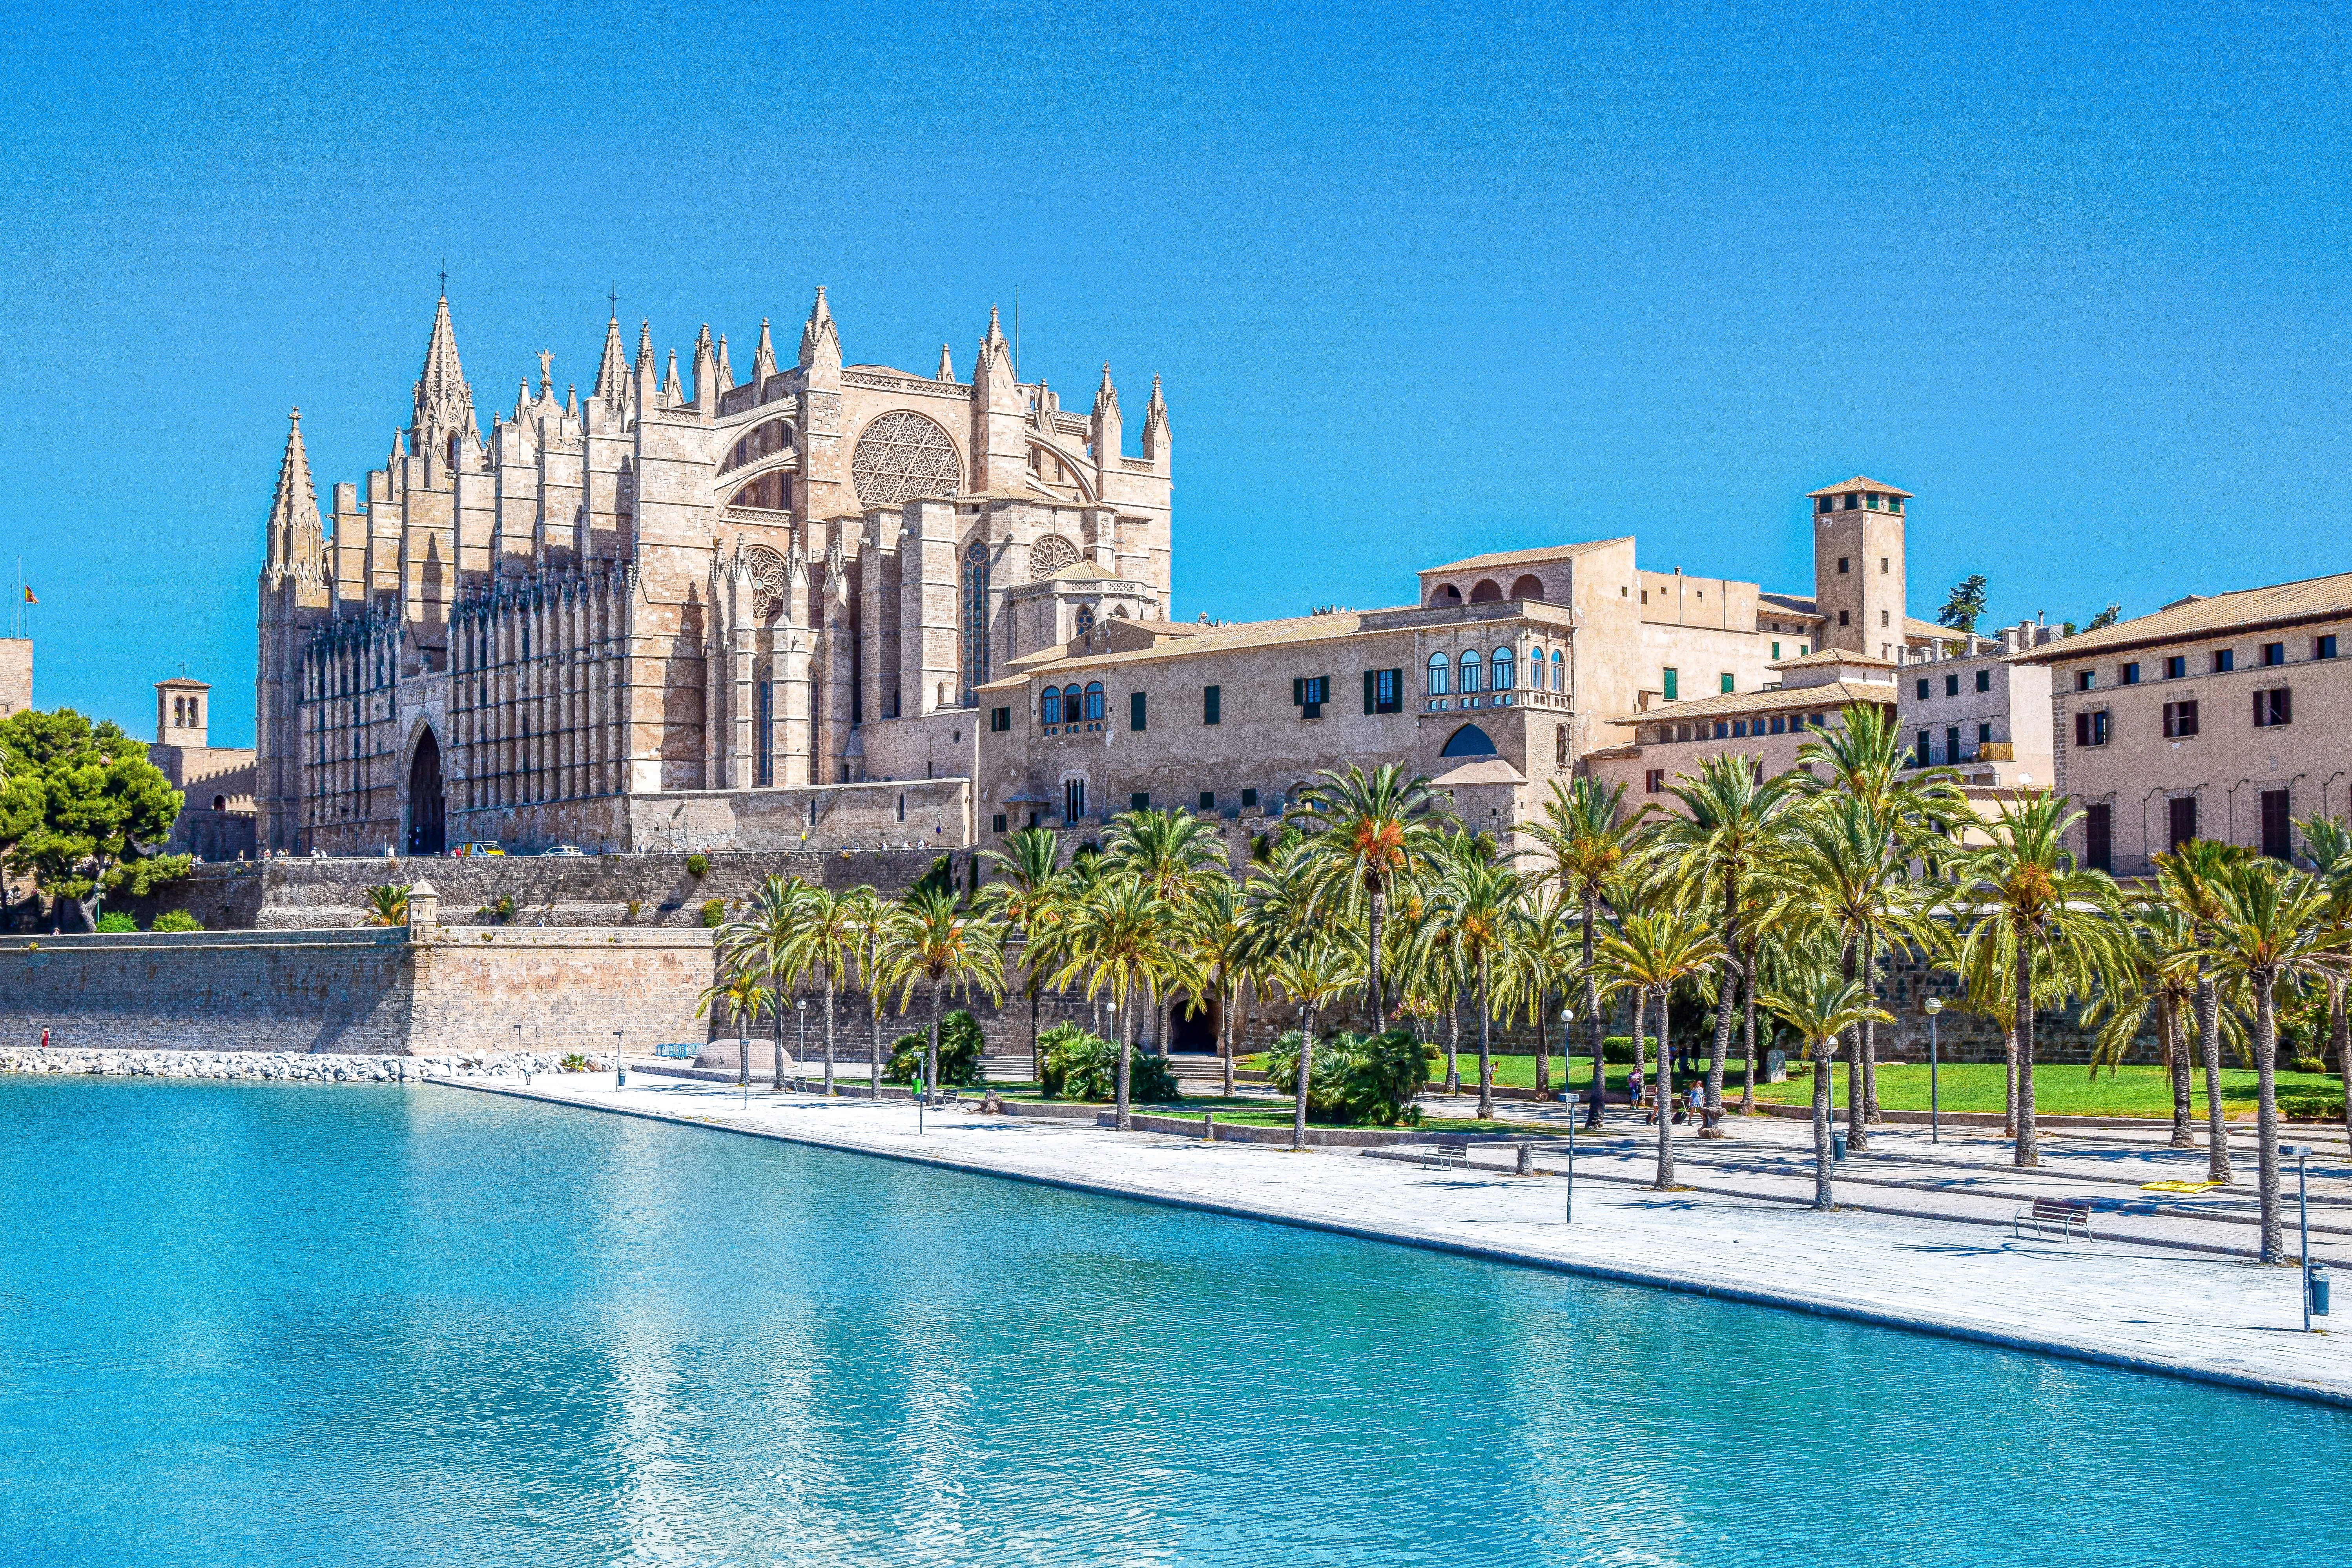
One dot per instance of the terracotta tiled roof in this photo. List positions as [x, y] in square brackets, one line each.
[1832, 655]
[2249, 609]
[1198, 639]
[1828, 695]
[1523, 557]
[1798, 604]
[1857, 483]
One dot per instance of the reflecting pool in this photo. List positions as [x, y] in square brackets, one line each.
[261, 1324]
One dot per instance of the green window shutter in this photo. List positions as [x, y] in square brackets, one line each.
[1211, 704]
[1135, 709]
[1673, 686]
[1298, 691]
[1368, 676]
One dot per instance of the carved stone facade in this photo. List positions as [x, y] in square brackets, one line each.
[667, 589]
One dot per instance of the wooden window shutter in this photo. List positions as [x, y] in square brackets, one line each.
[1370, 676]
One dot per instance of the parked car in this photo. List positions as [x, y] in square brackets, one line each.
[567, 850]
[477, 847]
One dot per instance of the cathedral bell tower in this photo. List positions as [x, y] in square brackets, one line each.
[1858, 576]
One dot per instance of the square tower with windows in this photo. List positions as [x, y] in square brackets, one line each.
[1858, 577]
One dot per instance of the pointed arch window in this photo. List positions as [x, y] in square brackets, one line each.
[975, 620]
[1086, 620]
[1469, 741]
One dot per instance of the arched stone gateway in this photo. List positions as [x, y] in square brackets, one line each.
[1469, 741]
[428, 817]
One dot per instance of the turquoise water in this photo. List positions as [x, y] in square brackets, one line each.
[350, 1325]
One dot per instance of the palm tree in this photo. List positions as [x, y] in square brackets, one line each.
[1123, 941]
[1654, 951]
[1852, 870]
[2188, 879]
[2273, 928]
[934, 939]
[1216, 932]
[1821, 1011]
[827, 937]
[1479, 897]
[1863, 759]
[1176, 855]
[762, 936]
[739, 985]
[1542, 955]
[2328, 844]
[387, 906]
[1367, 833]
[873, 919]
[1310, 974]
[1737, 822]
[2026, 885]
[2155, 982]
[1586, 848]
[1027, 891]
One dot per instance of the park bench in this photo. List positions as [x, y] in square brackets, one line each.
[2066, 1213]
[1446, 1153]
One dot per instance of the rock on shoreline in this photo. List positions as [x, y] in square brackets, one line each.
[321, 1067]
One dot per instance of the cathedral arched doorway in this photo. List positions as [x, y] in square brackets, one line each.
[428, 816]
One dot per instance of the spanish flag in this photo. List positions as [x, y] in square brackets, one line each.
[28, 597]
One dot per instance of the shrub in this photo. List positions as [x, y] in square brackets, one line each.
[698, 865]
[112, 922]
[2311, 1108]
[176, 919]
[1430, 1053]
[387, 905]
[634, 905]
[1077, 1065]
[575, 1062]
[500, 909]
[1619, 1048]
[714, 912]
[2301, 1064]
[1356, 1081]
[961, 1043]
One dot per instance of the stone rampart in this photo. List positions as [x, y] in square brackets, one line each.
[355, 990]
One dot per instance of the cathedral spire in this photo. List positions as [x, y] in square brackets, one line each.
[993, 348]
[726, 370]
[612, 370]
[672, 393]
[763, 357]
[947, 365]
[1155, 424]
[445, 403]
[820, 338]
[1106, 396]
[297, 541]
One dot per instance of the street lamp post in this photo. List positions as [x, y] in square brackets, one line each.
[2303, 1210]
[801, 1056]
[620, 1072]
[1935, 1119]
[1572, 1098]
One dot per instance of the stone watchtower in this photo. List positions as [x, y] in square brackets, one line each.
[182, 712]
[1858, 576]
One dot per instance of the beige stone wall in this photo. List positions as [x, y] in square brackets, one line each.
[15, 675]
[2230, 763]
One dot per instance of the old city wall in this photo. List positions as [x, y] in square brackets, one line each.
[355, 991]
[625, 892]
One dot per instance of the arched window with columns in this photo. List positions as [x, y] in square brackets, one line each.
[1470, 671]
[1501, 665]
[1558, 672]
[1441, 675]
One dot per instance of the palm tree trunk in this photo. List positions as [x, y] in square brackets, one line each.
[2029, 1148]
[1486, 1042]
[1126, 1022]
[1870, 1035]
[778, 1013]
[1634, 1079]
[2176, 1066]
[1596, 1028]
[1543, 1044]
[1379, 902]
[1824, 1063]
[1453, 1045]
[2209, 1045]
[832, 989]
[1747, 1005]
[1306, 1063]
[1228, 993]
[2266, 1142]
[2008, 1053]
[1036, 1062]
[931, 1047]
[874, 1042]
[2338, 1026]
[1857, 1101]
[1724, 985]
[1665, 1092]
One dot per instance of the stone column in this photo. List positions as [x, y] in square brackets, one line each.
[878, 603]
[927, 601]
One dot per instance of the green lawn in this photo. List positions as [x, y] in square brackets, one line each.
[1974, 1085]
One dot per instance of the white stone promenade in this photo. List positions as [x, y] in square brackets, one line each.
[2156, 1308]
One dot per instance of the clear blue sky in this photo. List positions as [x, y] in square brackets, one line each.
[1421, 283]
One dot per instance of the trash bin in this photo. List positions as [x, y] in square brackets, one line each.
[1837, 1145]
[2319, 1278]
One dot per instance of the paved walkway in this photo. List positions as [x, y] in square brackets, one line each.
[2158, 1308]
